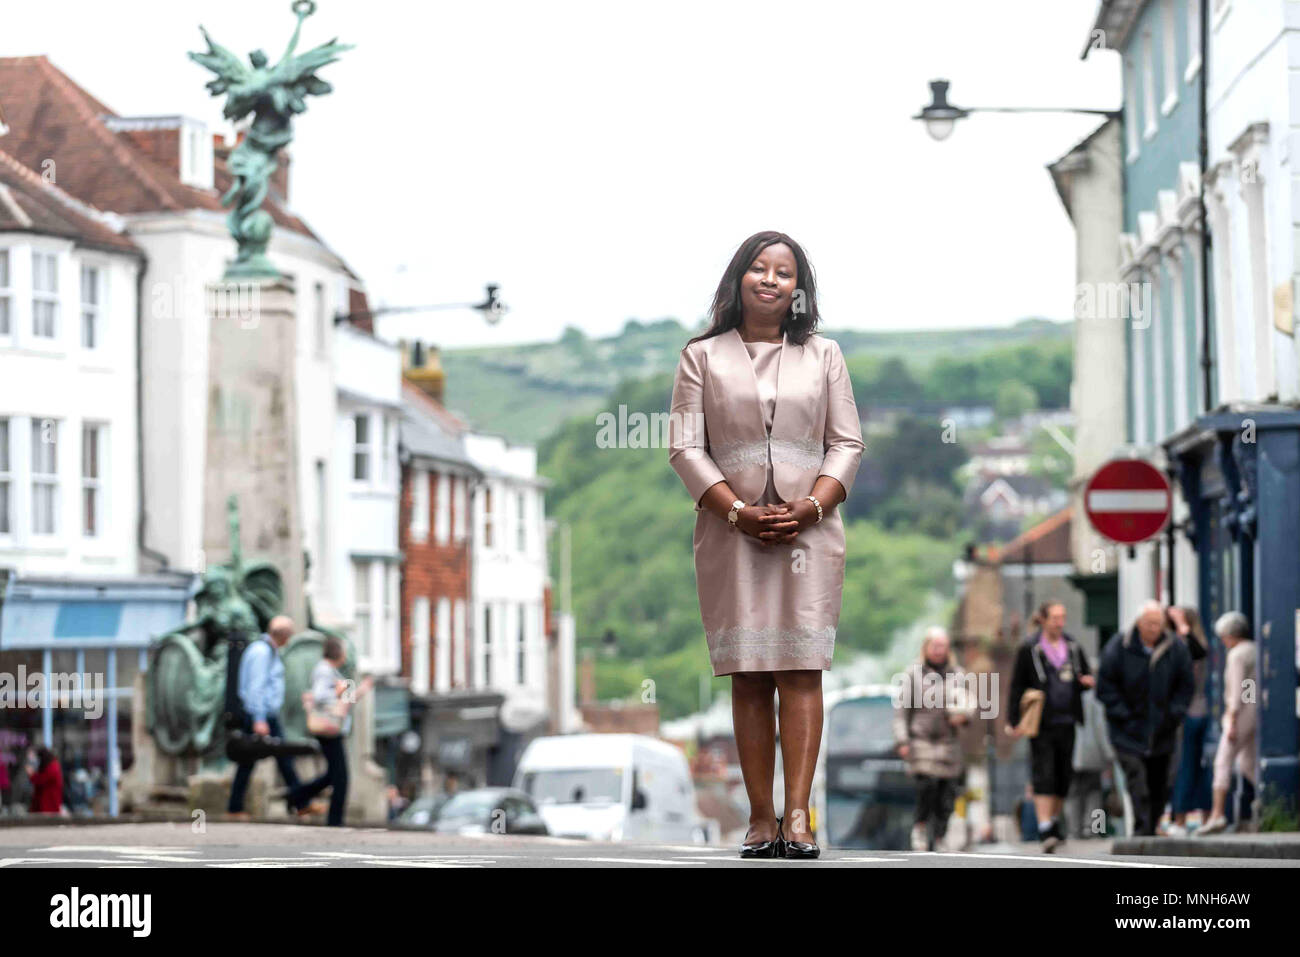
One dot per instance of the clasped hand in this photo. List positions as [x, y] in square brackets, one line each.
[777, 524]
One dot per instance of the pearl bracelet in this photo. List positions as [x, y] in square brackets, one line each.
[813, 499]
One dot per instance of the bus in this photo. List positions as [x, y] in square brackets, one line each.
[862, 794]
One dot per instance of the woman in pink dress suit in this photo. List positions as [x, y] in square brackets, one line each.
[764, 433]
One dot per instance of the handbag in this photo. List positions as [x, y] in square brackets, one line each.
[1031, 712]
[325, 721]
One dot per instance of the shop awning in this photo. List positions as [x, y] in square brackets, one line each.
[90, 613]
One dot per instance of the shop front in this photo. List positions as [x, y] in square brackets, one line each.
[70, 650]
[460, 734]
[1239, 472]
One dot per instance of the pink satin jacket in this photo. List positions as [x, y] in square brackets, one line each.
[716, 429]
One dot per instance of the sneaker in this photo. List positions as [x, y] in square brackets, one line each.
[1175, 830]
[1051, 842]
[919, 840]
[1214, 825]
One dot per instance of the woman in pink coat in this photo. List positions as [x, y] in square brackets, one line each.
[764, 433]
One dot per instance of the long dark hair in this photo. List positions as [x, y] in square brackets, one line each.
[726, 313]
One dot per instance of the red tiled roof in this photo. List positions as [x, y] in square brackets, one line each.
[422, 400]
[28, 203]
[52, 118]
[1048, 542]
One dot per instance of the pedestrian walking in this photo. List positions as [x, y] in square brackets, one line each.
[261, 694]
[47, 782]
[764, 433]
[1193, 779]
[1085, 805]
[1053, 665]
[1237, 741]
[329, 719]
[1145, 683]
[933, 707]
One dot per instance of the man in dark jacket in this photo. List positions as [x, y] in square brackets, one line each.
[1052, 662]
[1145, 684]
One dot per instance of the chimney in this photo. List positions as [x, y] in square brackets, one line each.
[422, 367]
[359, 310]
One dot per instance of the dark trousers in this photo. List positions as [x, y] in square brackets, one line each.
[245, 771]
[1192, 790]
[935, 798]
[1147, 779]
[335, 778]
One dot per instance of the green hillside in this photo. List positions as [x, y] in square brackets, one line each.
[524, 392]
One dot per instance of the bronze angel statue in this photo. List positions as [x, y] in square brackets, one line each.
[191, 675]
[272, 94]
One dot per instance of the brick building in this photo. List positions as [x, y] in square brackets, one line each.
[434, 538]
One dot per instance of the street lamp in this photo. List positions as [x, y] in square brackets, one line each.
[491, 307]
[940, 116]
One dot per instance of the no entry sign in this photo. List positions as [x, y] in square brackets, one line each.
[1127, 500]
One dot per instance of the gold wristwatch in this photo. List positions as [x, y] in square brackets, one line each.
[734, 515]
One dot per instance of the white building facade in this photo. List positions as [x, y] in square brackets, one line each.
[508, 574]
[68, 469]
[356, 527]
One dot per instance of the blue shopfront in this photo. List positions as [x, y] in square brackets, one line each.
[1239, 472]
[70, 650]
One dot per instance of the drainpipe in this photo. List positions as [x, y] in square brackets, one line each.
[142, 519]
[1207, 363]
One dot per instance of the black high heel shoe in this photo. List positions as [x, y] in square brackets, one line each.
[796, 850]
[764, 849]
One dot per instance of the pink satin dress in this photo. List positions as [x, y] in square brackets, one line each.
[769, 608]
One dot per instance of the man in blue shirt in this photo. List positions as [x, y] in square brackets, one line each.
[261, 691]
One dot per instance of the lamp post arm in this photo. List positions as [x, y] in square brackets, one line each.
[390, 310]
[1111, 114]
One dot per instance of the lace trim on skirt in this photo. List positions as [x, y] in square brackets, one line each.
[734, 456]
[739, 643]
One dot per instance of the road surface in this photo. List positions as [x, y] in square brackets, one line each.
[227, 845]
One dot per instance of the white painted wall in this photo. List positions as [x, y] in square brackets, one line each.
[508, 573]
[60, 381]
[187, 251]
[368, 376]
[1254, 111]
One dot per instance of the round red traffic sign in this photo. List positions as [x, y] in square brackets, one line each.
[1128, 500]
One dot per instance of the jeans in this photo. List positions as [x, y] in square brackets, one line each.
[335, 778]
[1192, 785]
[245, 771]
[935, 798]
[1147, 778]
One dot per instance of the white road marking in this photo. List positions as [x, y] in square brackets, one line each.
[686, 848]
[1049, 857]
[160, 855]
[862, 860]
[265, 864]
[23, 861]
[625, 860]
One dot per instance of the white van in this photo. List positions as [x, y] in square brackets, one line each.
[611, 787]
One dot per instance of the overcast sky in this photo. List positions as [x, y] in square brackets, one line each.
[601, 161]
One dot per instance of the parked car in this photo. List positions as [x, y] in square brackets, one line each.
[611, 787]
[489, 811]
[422, 812]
